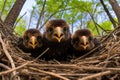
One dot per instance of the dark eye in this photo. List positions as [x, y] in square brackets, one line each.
[65, 29]
[38, 38]
[90, 38]
[76, 40]
[26, 39]
[50, 29]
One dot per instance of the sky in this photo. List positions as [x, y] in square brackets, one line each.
[26, 9]
[27, 6]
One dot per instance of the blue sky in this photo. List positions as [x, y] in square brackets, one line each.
[27, 6]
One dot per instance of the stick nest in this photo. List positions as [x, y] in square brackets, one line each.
[101, 63]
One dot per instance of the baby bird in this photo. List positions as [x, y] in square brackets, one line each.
[83, 41]
[57, 39]
[31, 42]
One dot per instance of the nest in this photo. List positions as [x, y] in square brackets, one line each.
[101, 63]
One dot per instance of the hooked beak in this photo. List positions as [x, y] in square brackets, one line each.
[84, 42]
[33, 41]
[58, 34]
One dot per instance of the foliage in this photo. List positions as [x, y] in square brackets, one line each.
[8, 6]
[77, 13]
[20, 28]
[70, 10]
[106, 25]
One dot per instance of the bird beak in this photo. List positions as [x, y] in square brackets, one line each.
[33, 40]
[84, 47]
[58, 34]
[84, 42]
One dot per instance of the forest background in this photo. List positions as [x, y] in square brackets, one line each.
[97, 15]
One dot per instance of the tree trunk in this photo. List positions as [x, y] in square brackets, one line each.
[116, 9]
[108, 13]
[7, 27]
[14, 12]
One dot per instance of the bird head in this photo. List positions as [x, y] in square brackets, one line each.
[57, 30]
[32, 38]
[82, 40]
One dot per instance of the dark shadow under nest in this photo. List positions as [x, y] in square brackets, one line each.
[101, 63]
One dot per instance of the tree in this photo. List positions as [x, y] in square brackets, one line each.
[116, 9]
[11, 18]
[108, 13]
[77, 13]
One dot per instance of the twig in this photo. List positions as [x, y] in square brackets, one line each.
[95, 75]
[8, 55]
[31, 15]
[41, 14]
[4, 66]
[62, 74]
[19, 20]
[117, 28]
[52, 16]
[49, 73]
[13, 69]
[99, 68]
[73, 66]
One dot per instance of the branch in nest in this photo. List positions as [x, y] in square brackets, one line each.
[13, 69]
[95, 75]
[50, 73]
[4, 66]
[8, 55]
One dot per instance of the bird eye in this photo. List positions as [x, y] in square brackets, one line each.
[90, 38]
[50, 29]
[65, 29]
[26, 38]
[76, 40]
[38, 38]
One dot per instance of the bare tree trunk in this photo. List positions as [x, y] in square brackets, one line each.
[14, 12]
[108, 13]
[7, 28]
[116, 9]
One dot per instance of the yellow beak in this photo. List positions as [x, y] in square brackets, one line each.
[58, 34]
[33, 41]
[84, 42]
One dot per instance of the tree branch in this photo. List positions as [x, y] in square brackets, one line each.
[50, 73]
[8, 55]
[40, 16]
[19, 20]
[95, 75]
[53, 15]
[108, 13]
[14, 12]
[116, 9]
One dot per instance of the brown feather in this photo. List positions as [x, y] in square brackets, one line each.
[83, 41]
[57, 39]
[26, 45]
